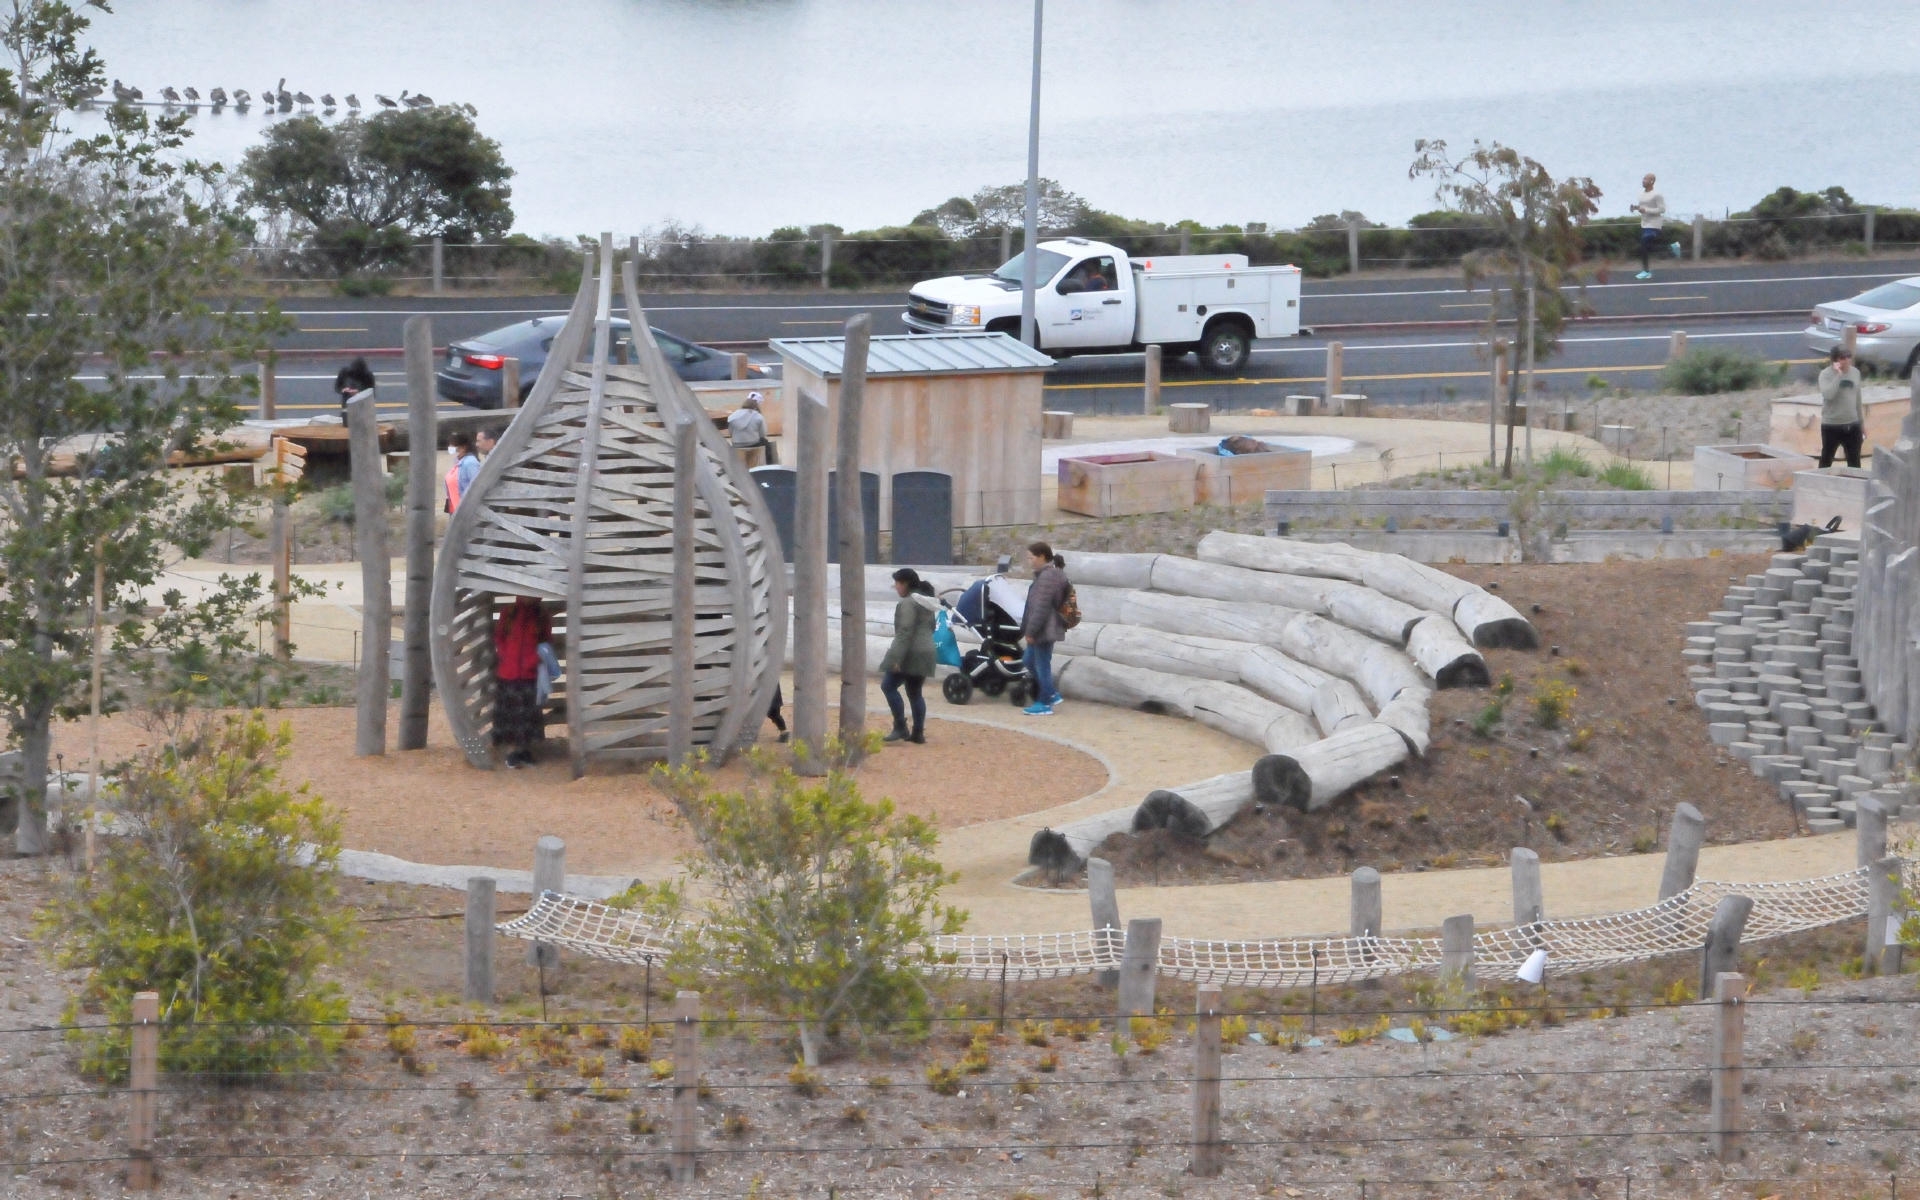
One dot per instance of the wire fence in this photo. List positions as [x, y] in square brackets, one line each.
[1497, 1094]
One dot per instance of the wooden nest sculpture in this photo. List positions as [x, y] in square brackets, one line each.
[575, 507]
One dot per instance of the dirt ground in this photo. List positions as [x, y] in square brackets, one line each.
[1601, 1078]
[430, 806]
[1604, 782]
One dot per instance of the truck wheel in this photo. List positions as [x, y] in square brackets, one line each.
[1225, 350]
[1009, 327]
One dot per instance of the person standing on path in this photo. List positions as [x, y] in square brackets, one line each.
[911, 658]
[466, 465]
[1042, 626]
[1652, 207]
[747, 429]
[1842, 423]
[518, 634]
[354, 378]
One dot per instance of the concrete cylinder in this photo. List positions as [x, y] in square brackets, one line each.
[1529, 898]
[1456, 950]
[1365, 915]
[1684, 837]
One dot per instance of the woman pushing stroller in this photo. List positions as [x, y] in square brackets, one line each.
[911, 658]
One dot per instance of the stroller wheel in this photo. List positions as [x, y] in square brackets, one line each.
[1017, 693]
[993, 685]
[957, 688]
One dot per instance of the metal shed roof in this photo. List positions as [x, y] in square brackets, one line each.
[916, 354]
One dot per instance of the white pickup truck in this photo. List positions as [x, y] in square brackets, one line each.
[1090, 298]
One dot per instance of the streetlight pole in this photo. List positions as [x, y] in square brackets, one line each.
[1029, 333]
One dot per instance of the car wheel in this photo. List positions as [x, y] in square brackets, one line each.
[957, 688]
[1913, 361]
[1225, 350]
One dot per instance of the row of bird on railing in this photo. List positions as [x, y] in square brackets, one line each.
[274, 99]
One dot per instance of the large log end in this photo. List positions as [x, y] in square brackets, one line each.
[1050, 851]
[1171, 811]
[1469, 670]
[1510, 633]
[1278, 779]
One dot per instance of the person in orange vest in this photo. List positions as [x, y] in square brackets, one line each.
[466, 465]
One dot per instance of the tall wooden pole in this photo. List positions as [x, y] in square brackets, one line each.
[1207, 1156]
[1729, 1033]
[376, 584]
[685, 1131]
[853, 535]
[93, 732]
[280, 549]
[686, 461]
[269, 399]
[423, 488]
[810, 586]
[143, 1080]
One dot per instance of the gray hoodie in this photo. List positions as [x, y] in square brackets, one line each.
[1840, 396]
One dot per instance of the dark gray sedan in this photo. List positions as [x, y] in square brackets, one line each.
[472, 373]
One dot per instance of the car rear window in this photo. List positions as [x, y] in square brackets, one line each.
[1890, 296]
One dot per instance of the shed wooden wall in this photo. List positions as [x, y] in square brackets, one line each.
[982, 428]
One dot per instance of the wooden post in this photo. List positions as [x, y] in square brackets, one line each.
[1493, 409]
[1684, 836]
[1883, 953]
[1365, 911]
[376, 586]
[1869, 231]
[479, 931]
[1699, 231]
[1729, 1033]
[1722, 951]
[853, 534]
[826, 258]
[1456, 950]
[686, 1086]
[1006, 243]
[1529, 899]
[280, 550]
[1139, 967]
[142, 1082]
[1105, 903]
[93, 721]
[1851, 338]
[1056, 426]
[269, 401]
[1529, 377]
[739, 365]
[1336, 369]
[439, 265]
[585, 474]
[1353, 247]
[423, 489]
[1186, 242]
[1207, 1154]
[549, 875]
[1676, 344]
[686, 461]
[1870, 831]
[1151, 402]
[810, 587]
[509, 382]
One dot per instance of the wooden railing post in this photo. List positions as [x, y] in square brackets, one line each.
[509, 382]
[1140, 967]
[479, 938]
[143, 1080]
[1729, 1033]
[1206, 1082]
[686, 1086]
[1151, 402]
[268, 391]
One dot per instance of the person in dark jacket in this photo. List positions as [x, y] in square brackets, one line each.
[354, 378]
[1041, 626]
[517, 637]
[911, 657]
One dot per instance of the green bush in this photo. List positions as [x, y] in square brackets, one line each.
[1561, 462]
[211, 899]
[1707, 370]
[1626, 477]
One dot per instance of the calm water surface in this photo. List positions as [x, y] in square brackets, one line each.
[742, 115]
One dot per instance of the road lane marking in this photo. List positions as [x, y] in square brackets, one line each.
[1671, 299]
[1077, 387]
[813, 322]
[1636, 284]
[1474, 304]
[335, 329]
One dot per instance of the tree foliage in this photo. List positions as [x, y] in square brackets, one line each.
[218, 894]
[993, 209]
[821, 905]
[109, 248]
[1535, 221]
[363, 190]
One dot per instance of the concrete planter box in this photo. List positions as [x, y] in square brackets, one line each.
[1244, 478]
[1119, 485]
[1746, 468]
[1794, 423]
[1819, 496]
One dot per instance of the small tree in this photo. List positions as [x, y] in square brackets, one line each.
[364, 189]
[219, 895]
[1535, 222]
[821, 905]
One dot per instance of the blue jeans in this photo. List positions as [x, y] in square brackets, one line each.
[1649, 242]
[1039, 662]
[890, 688]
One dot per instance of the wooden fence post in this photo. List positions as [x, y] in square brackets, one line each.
[280, 550]
[269, 398]
[1684, 836]
[680, 696]
[739, 365]
[810, 587]
[852, 550]
[1529, 898]
[549, 875]
[509, 382]
[1140, 967]
[439, 265]
[1151, 403]
[423, 488]
[1364, 910]
[686, 1086]
[1336, 370]
[479, 931]
[143, 1080]
[1353, 247]
[1729, 1032]
[1456, 950]
[826, 258]
[1206, 1082]
[1105, 905]
[1722, 951]
[1883, 953]
[1676, 344]
[376, 584]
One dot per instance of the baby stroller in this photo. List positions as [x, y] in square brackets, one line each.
[991, 608]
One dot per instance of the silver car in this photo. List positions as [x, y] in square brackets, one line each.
[1885, 322]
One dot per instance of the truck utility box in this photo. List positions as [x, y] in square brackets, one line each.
[1176, 293]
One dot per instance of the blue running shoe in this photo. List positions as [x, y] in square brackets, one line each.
[1038, 710]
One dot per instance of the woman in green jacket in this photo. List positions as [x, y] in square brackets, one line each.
[911, 658]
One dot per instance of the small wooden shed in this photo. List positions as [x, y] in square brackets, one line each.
[967, 404]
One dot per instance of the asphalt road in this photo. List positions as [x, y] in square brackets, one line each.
[1409, 340]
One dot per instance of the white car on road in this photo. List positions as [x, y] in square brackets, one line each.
[1885, 324]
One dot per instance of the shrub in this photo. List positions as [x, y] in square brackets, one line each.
[220, 896]
[1626, 477]
[822, 905]
[1708, 370]
[1553, 703]
[1488, 719]
[805, 1080]
[942, 1079]
[1561, 462]
[636, 1042]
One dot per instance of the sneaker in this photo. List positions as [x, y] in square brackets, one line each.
[1675, 247]
[1643, 275]
[1038, 710]
[1055, 700]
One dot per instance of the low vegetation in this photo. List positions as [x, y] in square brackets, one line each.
[1710, 370]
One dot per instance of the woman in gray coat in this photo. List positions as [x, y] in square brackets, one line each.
[911, 658]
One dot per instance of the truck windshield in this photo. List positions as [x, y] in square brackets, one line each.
[1050, 263]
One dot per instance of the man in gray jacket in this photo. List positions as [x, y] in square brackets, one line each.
[1041, 626]
[1842, 421]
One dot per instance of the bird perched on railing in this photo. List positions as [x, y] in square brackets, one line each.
[326, 101]
[87, 96]
[242, 97]
[169, 95]
[218, 96]
[192, 96]
[386, 101]
[353, 103]
[125, 94]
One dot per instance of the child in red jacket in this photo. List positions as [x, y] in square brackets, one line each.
[517, 636]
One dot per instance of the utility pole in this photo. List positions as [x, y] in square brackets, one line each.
[1029, 332]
